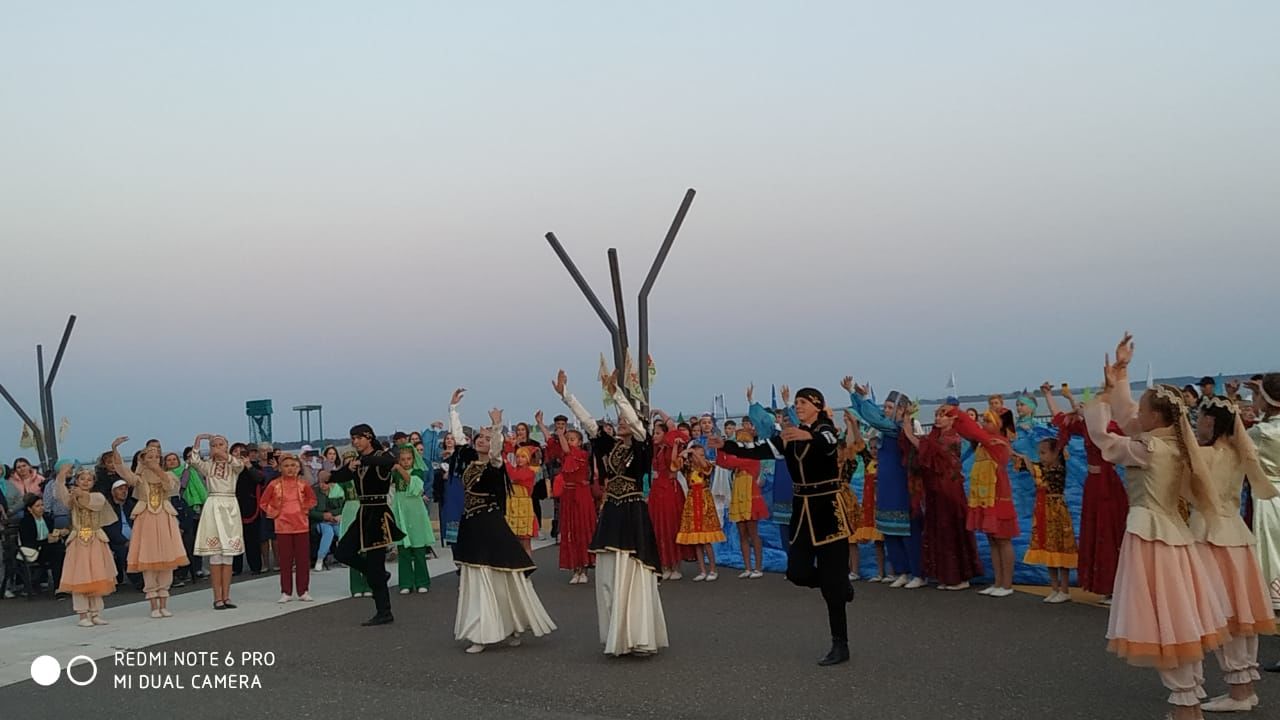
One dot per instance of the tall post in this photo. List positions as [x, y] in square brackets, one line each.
[26, 419]
[620, 339]
[643, 300]
[51, 440]
[321, 413]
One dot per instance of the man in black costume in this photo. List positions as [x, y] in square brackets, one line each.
[364, 546]
[818, 556]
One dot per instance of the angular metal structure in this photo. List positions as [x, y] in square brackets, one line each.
[45, 432]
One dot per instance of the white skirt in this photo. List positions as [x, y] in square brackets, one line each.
[628, 605]
[495, 604]
[1266, 526]
[220, 531]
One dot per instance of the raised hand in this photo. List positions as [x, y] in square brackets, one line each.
[1124, 351]
[1046, 389]
[1110, 374]
[560, 383]
[495, 416]
[847, 383]
[862, 390]
[1233, 388]
[457, 396]
[786, 395]
[751, 391]
[715, 442]
[119, 441]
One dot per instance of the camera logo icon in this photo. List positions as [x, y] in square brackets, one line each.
[46, 670]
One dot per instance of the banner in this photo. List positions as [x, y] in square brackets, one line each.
[27, 440]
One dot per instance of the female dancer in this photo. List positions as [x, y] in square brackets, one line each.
[867, 531]
[451, 508]
[1104, 507]
[818, 555]
[991, 508]
[1053, 539]
[89, 570]
[155, 548]
[411, 515]
[746, 505]
[950, 549]
[287, 502]
[851, 450]
[628, 606]
[1227, 543]
[666, 497]
[520, 505]
[496, 601]
[220, 535]
[1265, 434]
[903, 534]
[700, 523]
[577, 507]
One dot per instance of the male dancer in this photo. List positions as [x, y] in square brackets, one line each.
[818, 556]
[364, 546]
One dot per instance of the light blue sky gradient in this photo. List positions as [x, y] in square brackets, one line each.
[344, 203]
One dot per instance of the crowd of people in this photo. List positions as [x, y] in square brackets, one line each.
[1179, 527]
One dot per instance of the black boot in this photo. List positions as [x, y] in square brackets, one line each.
[848, 593]
[385, 618]
[839, 653]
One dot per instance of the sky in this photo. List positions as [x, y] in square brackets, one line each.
[344, 204]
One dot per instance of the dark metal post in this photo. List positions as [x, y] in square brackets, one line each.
[26, 419]
[52, 439]
[320, 411]
[648, 286]
[42, 437]
[620, 339]
[582, 285]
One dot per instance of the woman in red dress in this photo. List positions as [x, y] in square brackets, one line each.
[577, 507]
[950, 549]
[666, 497]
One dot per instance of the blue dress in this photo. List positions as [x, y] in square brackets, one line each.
[893, 499]
[454, 497]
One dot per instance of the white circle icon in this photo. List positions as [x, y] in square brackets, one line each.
[45, 670]
[92, 664]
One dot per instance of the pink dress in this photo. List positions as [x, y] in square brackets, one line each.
[1167, 606]
[156, 543]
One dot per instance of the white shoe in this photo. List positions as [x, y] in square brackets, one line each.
[1058, 598]
[97, 620]
[915, 584]
[1105, 602]
[756, 574]
[368, 594]
[8, 595]
[854, 577]
[666, 575]
[164, 612]
[988, 590]
[475, 648]
[962, 586]
[284, 599]
[306, 597]
[85, 622]
[423, 591]
[155, 614]
[900, 581]
[514, 641]
[744, 574]
[319, 566]
[876, 578]
[676, 576]
[889, 578]
[1225, 704]
[712, 577]
[405, 591]
[1002, 592]
[700, 577]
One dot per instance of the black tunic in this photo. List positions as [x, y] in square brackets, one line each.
[817, 512]
[484, 537]
[372, 481]
[624, 521]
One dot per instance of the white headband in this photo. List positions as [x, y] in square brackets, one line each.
[1221, 402]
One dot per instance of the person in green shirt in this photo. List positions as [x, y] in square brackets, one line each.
[410, 510]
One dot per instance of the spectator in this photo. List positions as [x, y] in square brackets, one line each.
[35, 533]
[248, 491]
[119, 532]
[56, 511]
[27, 482]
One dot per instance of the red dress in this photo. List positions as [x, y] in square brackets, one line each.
[666, 503]
[949, 549]
[577, 511]
[1102, 514]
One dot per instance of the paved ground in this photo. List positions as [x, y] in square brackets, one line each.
[740, 649]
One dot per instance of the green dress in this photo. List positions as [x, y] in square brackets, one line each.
[410, 511]
[349, 511]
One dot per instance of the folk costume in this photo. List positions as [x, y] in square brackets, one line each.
[89, 568]
[818, 554]
[950, 549]
[373, 529]
[155, 547]
[410, 510]
[667, 501]
[496, 601]
[903, 534]
[628, 606]
[1103, 510]
[220, 534]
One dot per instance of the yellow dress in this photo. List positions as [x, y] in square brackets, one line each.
[699, 523]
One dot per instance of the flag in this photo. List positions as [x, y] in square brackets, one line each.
[679, 418]
[28, 438]
[632, 378]
[63, 428]
[653, 370]
[773, 397]
[604, 372]
[1151, 379]
[1087, 395]
[951, 385]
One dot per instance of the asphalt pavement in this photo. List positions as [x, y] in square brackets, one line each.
[740, 649]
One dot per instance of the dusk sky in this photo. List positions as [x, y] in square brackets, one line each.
[345, 203]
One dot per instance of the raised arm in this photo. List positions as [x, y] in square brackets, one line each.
[1047, 391]
[126, 473]
[1116, 449]
[871, 414]
[495, 438]
[455, 422]
[627, 414]
[562, 390]
[1123, 409]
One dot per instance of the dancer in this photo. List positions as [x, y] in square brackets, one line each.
[451, 508]
[1226, 542]
[89, 569]
[220, 534]
[700, 522]
[1166, 611]
[1053, 539]
[364, 544]
[1104, 506]
[496, 601]
[520, 505]
[867, 531]
[411, 515]
[746, 505]
[949, 548]
[572, 491]
[666, 496]
[628, 606]
[1265, 434]
[287, 502]
[155, 548]
[818, 555]
[991, 508]
[851, 449]
[903, 535]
